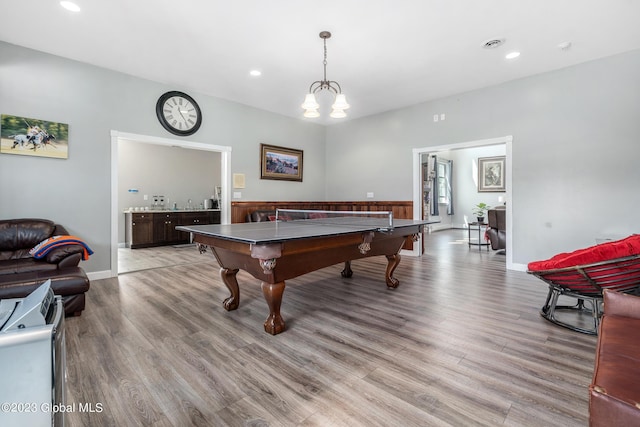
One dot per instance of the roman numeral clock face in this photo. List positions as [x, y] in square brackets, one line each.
[178, 113]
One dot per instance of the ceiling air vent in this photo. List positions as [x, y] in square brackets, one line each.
[492, 43]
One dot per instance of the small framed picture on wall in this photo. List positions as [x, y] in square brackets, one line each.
[280, 163]
[491, 174]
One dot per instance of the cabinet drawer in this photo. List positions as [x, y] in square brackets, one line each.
[142, 217]
[195, 218]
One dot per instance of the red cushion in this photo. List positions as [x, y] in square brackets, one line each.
[603, 252]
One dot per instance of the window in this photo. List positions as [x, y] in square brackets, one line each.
[444, 181]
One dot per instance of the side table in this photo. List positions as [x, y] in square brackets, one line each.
[477, 226]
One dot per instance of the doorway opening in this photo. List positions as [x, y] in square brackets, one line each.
[441, 151]
[117, 211]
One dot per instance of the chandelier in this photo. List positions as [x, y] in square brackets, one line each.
[310, 105]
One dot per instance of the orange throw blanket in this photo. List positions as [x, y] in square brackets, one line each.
[46, 246]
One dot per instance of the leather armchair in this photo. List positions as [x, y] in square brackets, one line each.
[497, 232]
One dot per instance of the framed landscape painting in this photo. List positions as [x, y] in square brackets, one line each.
[491, 174]
[33, 137]
[280, 163]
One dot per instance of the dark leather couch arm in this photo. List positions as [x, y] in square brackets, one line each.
[497, 226]
[67, 255]
[620, 304]
[614, 391]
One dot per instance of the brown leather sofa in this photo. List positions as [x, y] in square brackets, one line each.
[614, 393]
[21, 273]
[260, 216]
[269, 215]
[497, 231]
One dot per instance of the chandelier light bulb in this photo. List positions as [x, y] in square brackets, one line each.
[310, 102]
[340, 102]
[337, 114]
[311, 113]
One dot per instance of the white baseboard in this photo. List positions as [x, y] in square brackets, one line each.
[517, 267]
[97, 275]
[438, 227]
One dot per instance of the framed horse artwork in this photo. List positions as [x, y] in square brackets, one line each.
[33, 137]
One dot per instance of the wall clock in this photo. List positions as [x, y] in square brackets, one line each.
[178, 113]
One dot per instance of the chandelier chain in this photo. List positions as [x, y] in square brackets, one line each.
[325, 60]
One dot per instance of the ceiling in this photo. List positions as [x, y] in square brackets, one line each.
[385, 54]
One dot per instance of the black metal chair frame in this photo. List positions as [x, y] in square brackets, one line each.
[586, 283]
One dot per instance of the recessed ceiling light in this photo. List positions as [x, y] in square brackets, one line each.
[512, 55]
[70, 6]
[255, 73]
[564, 46]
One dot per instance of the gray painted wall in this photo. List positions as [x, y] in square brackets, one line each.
[93, 101]
[576, 144]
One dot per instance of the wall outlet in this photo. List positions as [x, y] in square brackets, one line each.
[435, 117]
[145, 197]
[237, 195]
[370, 195]
[442, 116]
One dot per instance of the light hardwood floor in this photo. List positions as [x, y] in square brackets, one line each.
[130, 260]
[458, 343]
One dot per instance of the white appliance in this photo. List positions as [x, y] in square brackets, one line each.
[32, 359]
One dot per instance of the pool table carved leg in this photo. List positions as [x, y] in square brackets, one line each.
[394, 260]
[273, 294]
[347, 272]
[228, 276]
